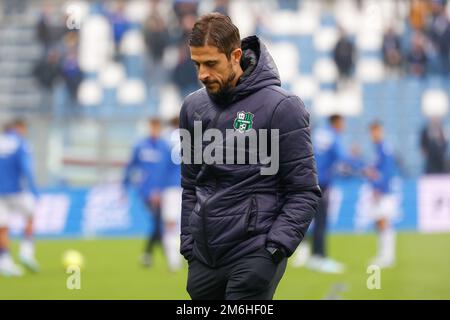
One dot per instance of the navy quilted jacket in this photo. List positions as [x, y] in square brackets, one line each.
[230, 210]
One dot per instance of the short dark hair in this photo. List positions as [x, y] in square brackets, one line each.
[154, 121]
[334, 118]
[175, 122]
[19, 122]
[215, 29]
[376, 124]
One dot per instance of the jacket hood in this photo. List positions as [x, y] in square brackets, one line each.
[259, 69]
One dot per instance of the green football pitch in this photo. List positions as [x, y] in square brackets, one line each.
[112, 271]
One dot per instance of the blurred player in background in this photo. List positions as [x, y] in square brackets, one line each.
[171, 199]
[329, 153]
[148, 160]
[383, 208]
[434, 144]
[15, 170]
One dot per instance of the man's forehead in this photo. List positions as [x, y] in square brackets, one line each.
[205, 53]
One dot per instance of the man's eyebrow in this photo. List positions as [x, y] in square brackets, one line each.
[207, 61]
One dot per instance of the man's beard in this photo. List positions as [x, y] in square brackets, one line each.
[223, 95]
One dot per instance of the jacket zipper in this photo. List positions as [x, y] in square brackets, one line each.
[250, 226]
[203, 209]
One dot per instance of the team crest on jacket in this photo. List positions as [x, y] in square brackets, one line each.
[243, 121]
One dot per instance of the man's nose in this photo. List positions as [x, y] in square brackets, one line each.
[202, 74]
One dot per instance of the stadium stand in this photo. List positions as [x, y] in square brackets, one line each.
[118, 87]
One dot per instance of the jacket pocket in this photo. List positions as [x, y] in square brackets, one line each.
[252, 215]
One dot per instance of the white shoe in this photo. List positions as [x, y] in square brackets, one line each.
[8, 268]
[331, 266]
[174, 269]
[26, 256]
[146, 260]
[383, 262]
[325, 265]
[314, 262]
[29, 262]
[301, 256]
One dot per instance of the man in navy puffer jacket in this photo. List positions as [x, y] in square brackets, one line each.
[239, 224]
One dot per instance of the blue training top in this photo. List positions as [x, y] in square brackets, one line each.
[148, 160]
[15, 165]
[385, 167]
[328, 151]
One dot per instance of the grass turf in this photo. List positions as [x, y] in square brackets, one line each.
[112, 271]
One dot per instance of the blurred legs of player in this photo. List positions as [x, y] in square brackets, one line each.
[8, 267]
[27, 251]
[171, 215]
[23, 204]
[155, 236]
[318, 261]
[171, 243]
[383, 211]
[302, 254]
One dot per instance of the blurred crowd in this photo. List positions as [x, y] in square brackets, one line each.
[428, 39]
[421, 48]
[412, 52]
[431, 36]
[161, 29]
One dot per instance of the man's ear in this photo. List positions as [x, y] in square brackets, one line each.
[236, 56]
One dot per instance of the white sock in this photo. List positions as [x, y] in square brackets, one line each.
[386, 244]
[302, 254]
[171, 243]
[27, 248]
[5, 259]
[4, 255]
